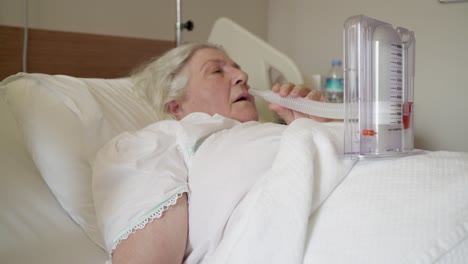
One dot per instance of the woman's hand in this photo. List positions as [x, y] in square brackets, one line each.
[292, 90]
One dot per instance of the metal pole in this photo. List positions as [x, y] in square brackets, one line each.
[178, 23]
[25, 35]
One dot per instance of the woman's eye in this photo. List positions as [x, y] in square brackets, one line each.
[217, 71]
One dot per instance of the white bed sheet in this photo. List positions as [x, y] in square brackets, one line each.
[34, 228]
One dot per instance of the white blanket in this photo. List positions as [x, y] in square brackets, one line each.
[281, 221]
[405, 210]
[270, 224]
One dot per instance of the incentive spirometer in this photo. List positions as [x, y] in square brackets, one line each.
[378, 90]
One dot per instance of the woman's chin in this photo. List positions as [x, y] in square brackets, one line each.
[246, 116]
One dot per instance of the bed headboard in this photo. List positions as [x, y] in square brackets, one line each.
[75, 54]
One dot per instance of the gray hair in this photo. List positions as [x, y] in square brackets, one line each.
[161, 80]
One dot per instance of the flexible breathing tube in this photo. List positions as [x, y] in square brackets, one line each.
[315, 108]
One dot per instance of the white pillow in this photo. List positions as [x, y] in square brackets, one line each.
[64, 121]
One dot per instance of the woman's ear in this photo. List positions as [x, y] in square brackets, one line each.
[175, 109]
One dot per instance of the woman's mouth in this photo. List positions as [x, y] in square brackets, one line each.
[243, 97]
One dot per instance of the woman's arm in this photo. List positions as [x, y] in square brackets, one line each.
[162, 241]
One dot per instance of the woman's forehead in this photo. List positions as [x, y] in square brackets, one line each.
[207, 55]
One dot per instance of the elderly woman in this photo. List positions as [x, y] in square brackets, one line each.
[144, 182]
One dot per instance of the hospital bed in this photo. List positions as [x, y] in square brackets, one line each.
[405, 210]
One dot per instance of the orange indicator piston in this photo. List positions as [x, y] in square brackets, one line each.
[368, 132]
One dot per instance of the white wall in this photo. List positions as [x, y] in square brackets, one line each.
[310, 32]
[154, 19]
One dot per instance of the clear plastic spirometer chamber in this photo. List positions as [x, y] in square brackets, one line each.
[378, 87]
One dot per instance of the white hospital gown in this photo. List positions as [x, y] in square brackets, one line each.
[137, 176]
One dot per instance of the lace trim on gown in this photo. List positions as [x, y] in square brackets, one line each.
[148, 218]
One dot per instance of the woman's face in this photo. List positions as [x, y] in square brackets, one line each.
[216, 85]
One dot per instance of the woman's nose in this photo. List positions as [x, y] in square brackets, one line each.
[240, 77]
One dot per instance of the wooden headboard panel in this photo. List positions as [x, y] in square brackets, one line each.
[75, 54]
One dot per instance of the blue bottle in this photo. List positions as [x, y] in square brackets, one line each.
[334, 83]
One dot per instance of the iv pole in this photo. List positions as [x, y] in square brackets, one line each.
[179, 25]
[25, 36]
